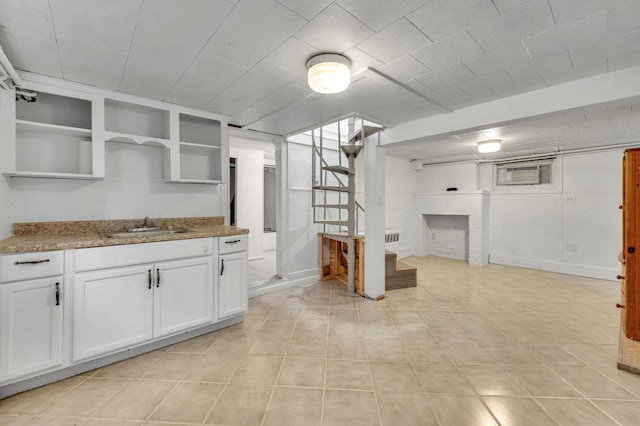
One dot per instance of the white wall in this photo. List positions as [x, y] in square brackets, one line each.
[250, 196]
[302, 236]
[437, 178]
[400, 184]
[573, 226]
[132, 188]
[576, 230]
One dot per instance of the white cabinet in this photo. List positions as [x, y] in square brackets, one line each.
[31, 314]
[232, 275]
[193, 143]
[62, 133]
[112, 309]
[183, 296]
[51, 135]
[122, 306]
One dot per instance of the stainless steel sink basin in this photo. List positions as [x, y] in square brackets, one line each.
[138, 232]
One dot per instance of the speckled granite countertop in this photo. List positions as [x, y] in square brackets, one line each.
[45, 236]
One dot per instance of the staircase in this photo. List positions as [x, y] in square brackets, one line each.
[334, 192]
[397, 274]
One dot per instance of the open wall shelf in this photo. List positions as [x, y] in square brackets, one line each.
[62, 134]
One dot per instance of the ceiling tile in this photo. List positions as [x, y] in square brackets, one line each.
[496, 59]
[252, 30]
[449, 51]
[260, 81]
[79, 22]
[442, 18]
[306, 8]
[200, 83]
[216, 68]
[379, 14]
[92, 75]
[626, 60]
[445, 95]
[606, 48]
[405, 69]
[282, 98]
[26, 27]
[360, 61]
[396, 40]
[450, 75]
[161, 34]
[505, 5]
[334, 30]
[524, 20]
[576, 33]
[184, 96]
[293, 55]
[532, 69]
[146, 83]
[576, 73]
[623, 18]
[92, 54]
[565, 11]
[25, 62]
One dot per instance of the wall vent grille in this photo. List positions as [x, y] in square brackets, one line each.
[391, 236]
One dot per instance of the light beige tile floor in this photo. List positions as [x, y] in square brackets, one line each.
[469, 346]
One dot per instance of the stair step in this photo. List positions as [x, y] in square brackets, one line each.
[332, 206]
[332, 222]
[351, 149]
[339, 169]
[390, 259]
[368, 131]
[332, 188]
[403, 277]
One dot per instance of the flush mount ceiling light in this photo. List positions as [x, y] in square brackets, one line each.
[486, 147]
[328, 73]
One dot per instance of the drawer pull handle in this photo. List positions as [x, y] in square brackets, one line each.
[619, 306]
[158, 277]
[222, 268]
[232, 241]
[57, 294]
[149, 279]
[31, 262]
[620, 277]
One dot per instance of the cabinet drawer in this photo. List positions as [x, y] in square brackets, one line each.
[232, 244]
[90, 259]
[23, 266]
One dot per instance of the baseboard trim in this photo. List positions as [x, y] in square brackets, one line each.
[270, 287]
[562, 268]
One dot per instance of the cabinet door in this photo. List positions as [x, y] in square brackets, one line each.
[183, 295]
[112, 309]
[232, 284]
[30, 326]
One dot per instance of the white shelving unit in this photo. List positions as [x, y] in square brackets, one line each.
[62, 134]
[51, 137]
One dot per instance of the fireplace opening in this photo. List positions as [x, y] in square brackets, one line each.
[447, 235]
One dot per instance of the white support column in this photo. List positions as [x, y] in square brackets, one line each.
[374, 280]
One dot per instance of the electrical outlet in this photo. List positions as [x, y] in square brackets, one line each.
[570, 198]
[571, 247]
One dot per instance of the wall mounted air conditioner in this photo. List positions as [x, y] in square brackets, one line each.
[524, 174]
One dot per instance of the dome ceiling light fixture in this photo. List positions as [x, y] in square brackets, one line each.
[486, 147]
[328, 73]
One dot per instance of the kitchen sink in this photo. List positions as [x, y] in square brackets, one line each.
[139, 232]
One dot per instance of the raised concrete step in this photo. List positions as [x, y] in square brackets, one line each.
[398, 274]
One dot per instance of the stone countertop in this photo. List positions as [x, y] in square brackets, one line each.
[64, 235]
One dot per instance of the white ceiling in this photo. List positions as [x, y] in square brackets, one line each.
[246, 58]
